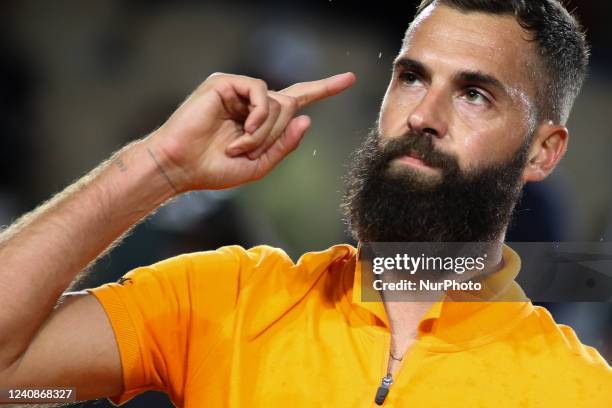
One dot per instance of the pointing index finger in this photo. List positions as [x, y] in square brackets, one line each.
[307, 93]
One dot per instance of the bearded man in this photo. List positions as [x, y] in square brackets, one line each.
[476, 107]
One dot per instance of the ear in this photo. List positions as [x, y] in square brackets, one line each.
[547, 148]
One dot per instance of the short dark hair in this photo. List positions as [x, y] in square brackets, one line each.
[562, 47]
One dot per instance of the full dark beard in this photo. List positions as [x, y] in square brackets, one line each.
[387, 204]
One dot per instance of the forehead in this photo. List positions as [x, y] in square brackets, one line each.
[445, 38]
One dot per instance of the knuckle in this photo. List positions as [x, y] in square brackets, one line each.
[293, 103]
[260, 82]
[216, 79]
[224, 88]
[215, 76]
[264, 110]
[287, 102]
[275, 105]
[300, 99]
[284, 147]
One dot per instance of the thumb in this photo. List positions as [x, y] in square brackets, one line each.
[289, 141]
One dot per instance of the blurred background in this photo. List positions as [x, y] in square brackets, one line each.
[81, 79]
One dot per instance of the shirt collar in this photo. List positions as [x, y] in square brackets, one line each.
[460, 317]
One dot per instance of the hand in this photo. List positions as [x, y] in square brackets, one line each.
[233, 130]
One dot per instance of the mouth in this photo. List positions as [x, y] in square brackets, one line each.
[414, 159]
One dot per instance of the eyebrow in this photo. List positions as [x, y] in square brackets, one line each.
[408, 64]
[478, 78]
[482, 79]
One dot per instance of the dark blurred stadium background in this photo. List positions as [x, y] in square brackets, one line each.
[81, 79]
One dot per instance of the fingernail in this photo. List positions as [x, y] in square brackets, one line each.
[234, 150]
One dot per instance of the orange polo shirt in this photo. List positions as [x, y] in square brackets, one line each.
[251, 328]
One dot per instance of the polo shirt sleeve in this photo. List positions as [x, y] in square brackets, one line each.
[154, 311]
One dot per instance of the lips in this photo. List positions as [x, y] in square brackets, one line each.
[414, 159]
[415, 155]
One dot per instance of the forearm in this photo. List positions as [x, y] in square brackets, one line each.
[42, 252]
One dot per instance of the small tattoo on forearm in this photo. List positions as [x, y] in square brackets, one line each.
[161, 169]
[121, 165]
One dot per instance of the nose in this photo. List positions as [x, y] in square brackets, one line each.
[429, 116]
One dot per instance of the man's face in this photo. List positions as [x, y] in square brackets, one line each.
[463, 78]
[447, 161]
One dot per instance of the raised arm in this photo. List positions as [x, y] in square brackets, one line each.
[232, 130]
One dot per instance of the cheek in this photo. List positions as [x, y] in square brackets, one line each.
[479, 142]
[395, 111]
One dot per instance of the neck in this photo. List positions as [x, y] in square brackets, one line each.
[405, 315]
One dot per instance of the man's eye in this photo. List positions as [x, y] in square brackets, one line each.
[408, 77]
[476, 97]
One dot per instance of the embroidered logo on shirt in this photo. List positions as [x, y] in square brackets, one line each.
[122, 281]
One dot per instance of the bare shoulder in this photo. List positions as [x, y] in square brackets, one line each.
[75, 347]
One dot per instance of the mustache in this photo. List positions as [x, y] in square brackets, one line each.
[420, 143]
